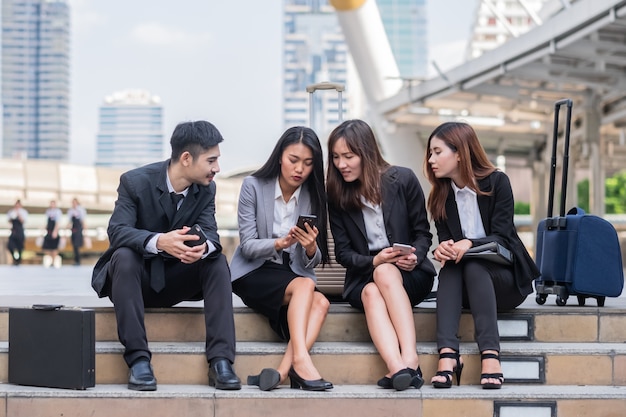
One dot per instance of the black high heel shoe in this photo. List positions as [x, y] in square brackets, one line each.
[456, 370]
[267, 380]
[417, 380]
[499, 375]
[308, 384]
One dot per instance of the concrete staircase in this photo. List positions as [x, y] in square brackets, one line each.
[557, 361]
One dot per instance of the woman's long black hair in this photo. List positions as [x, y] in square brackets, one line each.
[314, 183]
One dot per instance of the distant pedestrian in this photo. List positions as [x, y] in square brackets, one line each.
[17, 217]
[76, 215]
[52, 239]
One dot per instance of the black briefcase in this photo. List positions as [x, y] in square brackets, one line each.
[51, 346]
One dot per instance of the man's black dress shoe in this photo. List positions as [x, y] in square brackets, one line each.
[222, 376]
[267, 380]
[141, 377]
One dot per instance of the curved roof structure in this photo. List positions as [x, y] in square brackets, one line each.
[508, 93]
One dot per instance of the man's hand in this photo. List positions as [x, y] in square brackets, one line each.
[173, 242]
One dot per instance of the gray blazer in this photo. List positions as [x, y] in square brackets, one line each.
[255, 214]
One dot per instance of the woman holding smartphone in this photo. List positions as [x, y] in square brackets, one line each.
[272, 268]
[373, 205]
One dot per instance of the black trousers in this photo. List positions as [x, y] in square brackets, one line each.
[482, 286]
[207, 279]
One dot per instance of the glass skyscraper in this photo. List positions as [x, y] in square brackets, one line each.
[130, 130]
[405, 23]
[35, 79]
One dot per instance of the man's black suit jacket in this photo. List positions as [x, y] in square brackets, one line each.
[144, 208]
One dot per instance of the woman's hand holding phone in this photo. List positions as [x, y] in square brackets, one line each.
[406, 259]
[305, 232]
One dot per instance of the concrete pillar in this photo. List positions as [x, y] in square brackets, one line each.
[591, 128]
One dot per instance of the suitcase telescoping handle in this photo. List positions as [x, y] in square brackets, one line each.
[568, 122]
[325, 86]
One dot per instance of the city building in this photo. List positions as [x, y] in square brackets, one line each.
[130, 132]
[314, 51]
[35, 79]
[405, 23]
[497, 21]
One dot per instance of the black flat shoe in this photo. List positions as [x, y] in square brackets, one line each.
[499, 376]
[416, 380]
[402, 379]
[267, 380]
[385, 382]
[222, 376]
[141, 376]
[308, 384]
[456, 370]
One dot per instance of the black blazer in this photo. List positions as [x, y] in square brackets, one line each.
[405, 218]
[144, 208]
[496, 212]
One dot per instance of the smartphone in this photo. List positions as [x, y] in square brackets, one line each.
[195, 230]
[306, 218]
[405, 249]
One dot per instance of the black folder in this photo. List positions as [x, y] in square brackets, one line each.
[51, 346]
[492, 251]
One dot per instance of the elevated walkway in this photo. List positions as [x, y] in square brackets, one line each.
[558, 361]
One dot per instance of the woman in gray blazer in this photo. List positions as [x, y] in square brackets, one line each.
[373, 205]
[272, 268]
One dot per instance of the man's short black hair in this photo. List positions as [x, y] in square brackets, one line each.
[194, 137]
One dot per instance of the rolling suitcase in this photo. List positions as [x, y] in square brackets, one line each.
[577, 253]
[51, 346]
[330, 278]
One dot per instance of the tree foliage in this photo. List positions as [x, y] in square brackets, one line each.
[614, 194]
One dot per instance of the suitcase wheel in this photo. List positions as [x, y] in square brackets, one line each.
[541, 299]
[600, 300]
[561, 301]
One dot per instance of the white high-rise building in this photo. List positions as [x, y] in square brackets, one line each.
[130, 130]
[314, 50]
[497, 21]
[35, 79]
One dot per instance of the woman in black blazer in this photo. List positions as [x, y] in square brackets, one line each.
[471, 203]
[373, 205]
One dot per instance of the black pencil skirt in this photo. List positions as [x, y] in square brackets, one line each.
[263, 290]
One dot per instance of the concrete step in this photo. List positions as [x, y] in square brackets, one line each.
[359, 363]
[346, 400]
[344, 323]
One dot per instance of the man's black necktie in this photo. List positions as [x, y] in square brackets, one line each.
[157, 276]
[176, 199]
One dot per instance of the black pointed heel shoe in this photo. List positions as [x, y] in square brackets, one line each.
[308, 384]
[456, 370]
[499, 376]
[267, 380]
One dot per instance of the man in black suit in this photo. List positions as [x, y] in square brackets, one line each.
[153, 261]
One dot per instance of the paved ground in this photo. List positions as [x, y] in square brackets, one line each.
[71, 286]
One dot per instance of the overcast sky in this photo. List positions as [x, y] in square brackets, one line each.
[213, 60]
